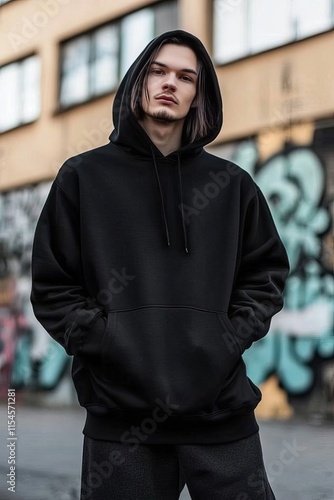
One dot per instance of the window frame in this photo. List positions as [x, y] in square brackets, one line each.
[251, 53]
[18, 62]
[91, 95]
[117, 21]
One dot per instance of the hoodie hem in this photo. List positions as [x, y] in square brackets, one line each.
[143, 432]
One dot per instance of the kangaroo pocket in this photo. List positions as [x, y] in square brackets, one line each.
[176, 354]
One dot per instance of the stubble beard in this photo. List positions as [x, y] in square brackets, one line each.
[163, 117]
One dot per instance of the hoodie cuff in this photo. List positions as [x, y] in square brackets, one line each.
[243, 332]
[85, 340]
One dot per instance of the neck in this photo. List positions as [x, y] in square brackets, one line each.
[165, 136]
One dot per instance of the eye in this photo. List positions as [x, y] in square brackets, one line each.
[186, 78]
[156, 71]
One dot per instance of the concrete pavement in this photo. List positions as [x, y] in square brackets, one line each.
[299, 456]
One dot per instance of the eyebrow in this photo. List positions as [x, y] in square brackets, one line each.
[185, 70]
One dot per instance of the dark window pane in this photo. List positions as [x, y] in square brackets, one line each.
[167, 17]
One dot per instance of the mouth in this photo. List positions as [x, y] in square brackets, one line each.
[167, 99]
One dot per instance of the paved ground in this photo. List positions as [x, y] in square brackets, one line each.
[49, 451]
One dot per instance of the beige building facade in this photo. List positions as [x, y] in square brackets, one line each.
[289, 84]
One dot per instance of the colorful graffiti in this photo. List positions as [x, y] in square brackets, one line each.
[28, 356]
[302, 334]
[295, 183]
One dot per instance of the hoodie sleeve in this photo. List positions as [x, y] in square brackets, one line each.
[259, 284]
[58, 296]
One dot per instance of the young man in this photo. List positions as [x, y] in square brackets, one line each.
[155, 265]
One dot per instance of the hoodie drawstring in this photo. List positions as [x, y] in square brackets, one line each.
[161, 198]
[163, 203]
[181, 203]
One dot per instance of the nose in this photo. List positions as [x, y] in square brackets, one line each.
[170, 83]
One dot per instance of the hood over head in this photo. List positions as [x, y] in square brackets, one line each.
[129, 134]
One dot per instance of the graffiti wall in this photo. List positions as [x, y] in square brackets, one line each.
[294, 364]
[29, 358]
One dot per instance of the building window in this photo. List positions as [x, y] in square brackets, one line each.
[269, 24]
[89, 65]
[229, 30]
[19, 93]
[93, 63]
[137, 30]
[312, 17]
[245, 27]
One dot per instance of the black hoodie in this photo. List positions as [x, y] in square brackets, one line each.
[156, 273]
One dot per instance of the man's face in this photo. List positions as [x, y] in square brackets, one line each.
[171, 84]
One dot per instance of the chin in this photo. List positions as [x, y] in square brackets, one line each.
[164, 116]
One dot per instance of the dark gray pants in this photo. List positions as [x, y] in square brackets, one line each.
[117, 471]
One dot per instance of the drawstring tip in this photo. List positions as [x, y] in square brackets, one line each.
[186, 249]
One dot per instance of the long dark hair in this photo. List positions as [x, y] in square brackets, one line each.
[200, 118]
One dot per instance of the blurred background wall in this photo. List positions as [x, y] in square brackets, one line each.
[61, 62]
